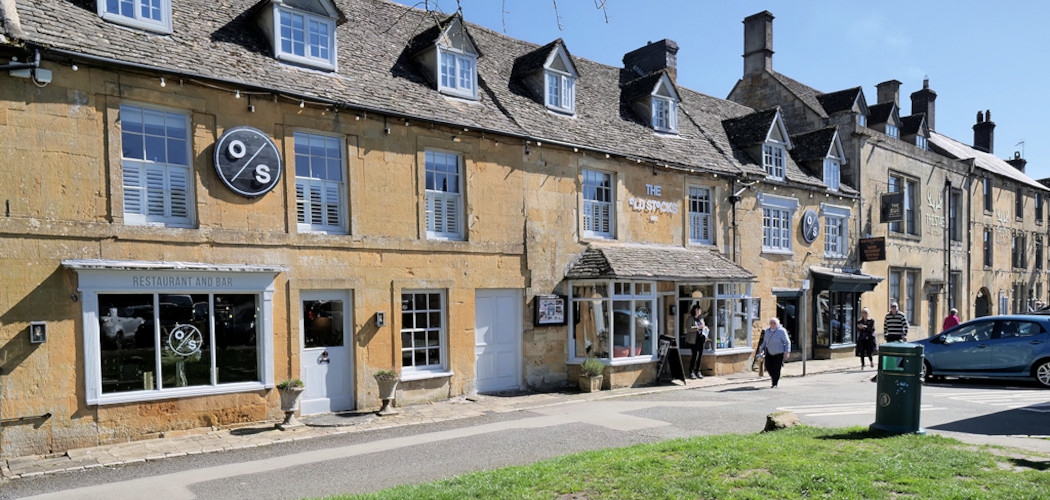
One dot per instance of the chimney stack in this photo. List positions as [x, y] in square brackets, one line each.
[984, 132]
[654, 57]
[1017, 162]
[758, 43]
[887, 91]
[922, 102]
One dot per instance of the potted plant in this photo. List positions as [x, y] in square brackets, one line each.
[591, 375]
[291, 390]
[387, 380]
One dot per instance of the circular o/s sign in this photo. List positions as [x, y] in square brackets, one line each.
[810, 226]
[247, 161]
[185, 340]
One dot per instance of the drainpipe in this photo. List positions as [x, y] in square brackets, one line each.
[733, 200]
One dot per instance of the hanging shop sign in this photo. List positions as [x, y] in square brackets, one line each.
[892, 209]
[872, 249]
[247, 161]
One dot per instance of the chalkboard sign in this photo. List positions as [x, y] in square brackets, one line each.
[670, 360]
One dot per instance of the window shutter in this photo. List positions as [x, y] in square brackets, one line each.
[178, 184]
[315, 205]
[433, 213]
[332, 204]
[451, 215]
[133, 188]
[155, 190]
[300, 202]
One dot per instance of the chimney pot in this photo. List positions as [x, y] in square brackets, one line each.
[922, 101]
[984, 132]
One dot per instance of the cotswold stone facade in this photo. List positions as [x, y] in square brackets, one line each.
[203, 202]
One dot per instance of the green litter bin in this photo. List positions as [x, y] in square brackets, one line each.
[899, 394]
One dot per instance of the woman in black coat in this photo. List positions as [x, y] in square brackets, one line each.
[865, 338]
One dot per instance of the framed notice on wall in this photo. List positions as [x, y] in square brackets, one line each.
[550, 310]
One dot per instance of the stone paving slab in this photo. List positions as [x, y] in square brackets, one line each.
[265, 434]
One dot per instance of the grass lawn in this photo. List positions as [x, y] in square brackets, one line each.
[800, 462]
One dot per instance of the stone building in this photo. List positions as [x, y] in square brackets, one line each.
[205, 198]
[931, 257]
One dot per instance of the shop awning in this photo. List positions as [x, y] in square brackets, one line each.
[654, 262]
[843, 280]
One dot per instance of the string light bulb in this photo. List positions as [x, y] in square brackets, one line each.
[162, 82]
[302, 104]
[74, 67]
[237, 94]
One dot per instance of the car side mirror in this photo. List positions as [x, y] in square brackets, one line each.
[937, 340]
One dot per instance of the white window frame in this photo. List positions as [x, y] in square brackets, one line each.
[618, 291]
[444, 208]
[892, 130]
[413, 371]
[921, 142]
[136, 19]
[774, 156]
[701, 206]
[665, 114]
[320, 195]
[140, 176]
[309, 21]
[457, 72]
[92, 282]
[777, 216]
[599, 216]
[833, 173]
[836, 230]
[560, 91]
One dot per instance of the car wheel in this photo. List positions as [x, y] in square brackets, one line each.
[927, 371]
[1042, 373]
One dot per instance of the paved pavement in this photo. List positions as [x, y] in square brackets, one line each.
[341, 423]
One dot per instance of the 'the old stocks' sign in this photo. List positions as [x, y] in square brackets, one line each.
[247, 161]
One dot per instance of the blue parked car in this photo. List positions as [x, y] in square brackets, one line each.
[1008, 347]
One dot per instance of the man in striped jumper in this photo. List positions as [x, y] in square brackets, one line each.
[895, 325]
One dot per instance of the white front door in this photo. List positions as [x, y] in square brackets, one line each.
[497, 344]
[327, 360]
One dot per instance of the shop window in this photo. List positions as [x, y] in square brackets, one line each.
[423, 336]
[727, 312]
[155, 159]
[598, 211]
[158, 342]
[151, 15]
[320, 192]
[700, 215]
[444, 195]
[617, 325]
[837, 318]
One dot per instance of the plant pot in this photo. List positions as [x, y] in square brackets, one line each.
[590, 384]
[289, 403]
[387, 392]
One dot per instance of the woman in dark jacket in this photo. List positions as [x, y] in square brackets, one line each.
[865, 338]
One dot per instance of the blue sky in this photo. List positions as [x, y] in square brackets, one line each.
[978, 55]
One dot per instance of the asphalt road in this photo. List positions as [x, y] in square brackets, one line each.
[370, 461]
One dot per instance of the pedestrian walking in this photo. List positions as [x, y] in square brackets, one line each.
[951, 320]
[695, 337]
[865, 338]
[777, 348]
[895, 326]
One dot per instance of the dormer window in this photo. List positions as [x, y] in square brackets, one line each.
[921, 142]
[665, 114]
[774, 149]
[560, 81]
[892, 131]
[458, 73]
[304, 34]
[664, 103]
[151, 15]
[862, 120]
[832, 172]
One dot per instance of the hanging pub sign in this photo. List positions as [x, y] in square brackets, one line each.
[872, 249]
[550, 310]
[247, 161]
[810, 226]
[892, 209]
